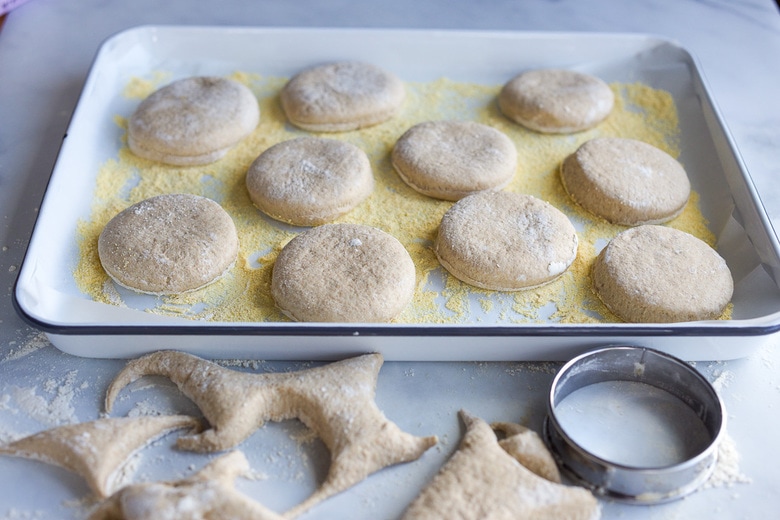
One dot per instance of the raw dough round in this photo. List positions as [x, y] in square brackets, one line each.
[657, 274]
[169, 244]
[309, 180]
[342, 96]
[556, 101]
[451, 159]
[343, 273]
[505, 241]
[626, 181]
[192, 121]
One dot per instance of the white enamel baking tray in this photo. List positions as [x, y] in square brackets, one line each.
[46, 294]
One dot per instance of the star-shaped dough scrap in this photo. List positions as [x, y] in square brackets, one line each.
[97, 450]
[336, 401]
[208, 494]
[482, 480]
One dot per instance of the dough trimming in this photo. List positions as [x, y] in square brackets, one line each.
[487, 478]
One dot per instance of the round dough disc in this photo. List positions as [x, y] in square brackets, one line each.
[657, 274]
[192, 121]
[309, 180]
[451, 159]
[342, 96]
[343, 273]
[505, 241]
[626, 181]
[556, 101]
[169, 244]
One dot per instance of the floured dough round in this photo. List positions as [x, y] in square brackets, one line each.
[309, 180]
[343, 273]
[505, 241]
[657, 274]
[192, 121]
[451, 159]
[169, 244]
[556, 101]
[626, 181]
[342, 96]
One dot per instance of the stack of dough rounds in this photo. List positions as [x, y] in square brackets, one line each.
[452, 159]
[342, 96]
[192, 121]
[556, 101]
[309, 181]
[343, 273]
[657, 274]
[505, 241]
[626, 181]
[169, 244]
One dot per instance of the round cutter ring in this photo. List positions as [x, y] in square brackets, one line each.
[625, 483]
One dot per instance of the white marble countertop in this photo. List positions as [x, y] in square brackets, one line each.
[46, 49]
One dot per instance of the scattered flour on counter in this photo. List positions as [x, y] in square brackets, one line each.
[5, 399]
[542, 367]
[52, 412]
[144, 409]
[255, 475]
[15, 514]
[303, 434]
[727, 472]
[766, 359]
[7, 435]
[722, 380]
[33, 343]
[253, 364]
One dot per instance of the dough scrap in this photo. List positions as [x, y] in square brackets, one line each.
[97, 450]
[483, 481]
[505, 241]
[556, 101]
[208, 494]
[626, 181]
[336, 401]
[309, 181]
[169, 244]
[192, 121]
[528, 449]
[343, 273]
[452, 159]
[658, 274]
[342, 96]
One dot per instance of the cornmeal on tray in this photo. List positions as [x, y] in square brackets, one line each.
[398, 200]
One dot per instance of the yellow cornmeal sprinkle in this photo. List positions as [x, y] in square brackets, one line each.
[244, 293]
